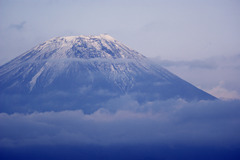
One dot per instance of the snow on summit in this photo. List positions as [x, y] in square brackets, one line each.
[55, 56]
[85, 47]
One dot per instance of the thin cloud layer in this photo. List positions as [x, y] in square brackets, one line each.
[19, 26]
[173, 122]
[223, 93]
[222, 72]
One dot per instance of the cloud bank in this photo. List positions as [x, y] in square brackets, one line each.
[210, 123]
[125, 129]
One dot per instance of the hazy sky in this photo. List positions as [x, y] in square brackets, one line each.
[174, 30]
[171, 29]
[199, 40]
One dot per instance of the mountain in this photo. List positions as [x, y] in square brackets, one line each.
[85, 72]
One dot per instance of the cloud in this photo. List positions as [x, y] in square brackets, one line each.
[223, 93]
[208, 74]
[217, 62]
[210, 123]
[125, 129]
[19, 26]
[194, 64]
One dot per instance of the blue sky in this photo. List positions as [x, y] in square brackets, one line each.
[180, 32]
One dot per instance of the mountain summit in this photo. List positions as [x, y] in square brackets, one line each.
[85, 72]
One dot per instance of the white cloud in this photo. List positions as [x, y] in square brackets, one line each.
[222, 93]
[172, 122]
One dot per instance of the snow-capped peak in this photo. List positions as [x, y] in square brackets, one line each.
[83, 47]
[56, 55]
[105, 37]
[89, 69]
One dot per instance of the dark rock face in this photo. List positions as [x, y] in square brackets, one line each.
[84, 72]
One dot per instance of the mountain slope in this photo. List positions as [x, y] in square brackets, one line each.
[84, 72]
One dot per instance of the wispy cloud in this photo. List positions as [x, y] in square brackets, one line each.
[221, 92]
[18, 26]
[230, 61]
[217, 75]
[190, 64]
